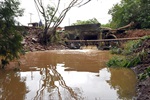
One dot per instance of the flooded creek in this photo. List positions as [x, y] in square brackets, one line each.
[67, 75]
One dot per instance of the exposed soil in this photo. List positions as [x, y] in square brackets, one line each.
[31, 42]
[137, 33]
[143, 86]
[134, 33]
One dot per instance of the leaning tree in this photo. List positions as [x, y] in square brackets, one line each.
[53, 14]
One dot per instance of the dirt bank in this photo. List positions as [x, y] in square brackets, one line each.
[31, 42]
[134, 33]
[142, 72]
[143, 86]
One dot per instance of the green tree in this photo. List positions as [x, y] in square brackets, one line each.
[10, 39]
[107, 25]
[137, 11]
[90, 21]
[144, 15]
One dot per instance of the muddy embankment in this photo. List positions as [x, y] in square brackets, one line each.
[142, 71]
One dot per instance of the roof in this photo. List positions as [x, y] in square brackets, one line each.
[85, 27]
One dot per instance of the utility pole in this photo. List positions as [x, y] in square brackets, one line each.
[30, 17]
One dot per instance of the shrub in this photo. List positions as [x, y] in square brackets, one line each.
[128, 57]
[127, 62]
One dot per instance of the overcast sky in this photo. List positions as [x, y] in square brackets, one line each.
[95, 9]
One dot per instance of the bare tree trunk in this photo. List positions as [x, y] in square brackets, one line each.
[49, 17]
[45, 37]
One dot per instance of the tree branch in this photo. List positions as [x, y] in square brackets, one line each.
[85, 3]
[52, 18]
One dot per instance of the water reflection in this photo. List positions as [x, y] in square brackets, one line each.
[50, 83]
[123, 80]
[12, 86]
[68, 75]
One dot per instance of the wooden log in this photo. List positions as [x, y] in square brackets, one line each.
[127, 26]
[105, 40]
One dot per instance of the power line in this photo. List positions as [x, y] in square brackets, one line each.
[37, 11]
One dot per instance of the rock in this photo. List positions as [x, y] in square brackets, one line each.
[34, 40]
[23, 42]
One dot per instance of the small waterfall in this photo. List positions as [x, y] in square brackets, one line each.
[92, 47]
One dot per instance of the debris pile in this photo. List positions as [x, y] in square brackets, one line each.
[31, 42]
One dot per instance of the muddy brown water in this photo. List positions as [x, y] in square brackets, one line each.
[67, 75]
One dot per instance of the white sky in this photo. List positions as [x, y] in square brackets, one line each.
[95, 9]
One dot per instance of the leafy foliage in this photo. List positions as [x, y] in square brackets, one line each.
[106, 25]
[129, 55]
[10, 39]
[124, 61]
[130, 46]
[137, 11]
[90, 21]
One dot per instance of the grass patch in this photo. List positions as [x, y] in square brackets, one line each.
[119, 61]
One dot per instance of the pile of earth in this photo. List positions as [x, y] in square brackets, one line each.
[134, 33]
[31, 41]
